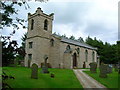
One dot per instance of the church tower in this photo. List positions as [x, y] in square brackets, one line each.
[38, 37]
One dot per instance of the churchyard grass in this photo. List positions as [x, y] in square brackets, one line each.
[110, 82]
[64, 78]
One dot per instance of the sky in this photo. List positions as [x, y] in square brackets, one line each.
[80, 18]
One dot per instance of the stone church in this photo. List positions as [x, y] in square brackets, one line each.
[61, 52]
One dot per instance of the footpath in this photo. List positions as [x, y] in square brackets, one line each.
[87, 81]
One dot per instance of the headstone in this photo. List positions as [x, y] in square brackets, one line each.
[34, 71]
[109, 68]
[22, 63]
[84, 65]
[93, 67]
[45, 67]
[29, 63]
[103, 71]
[116, 67]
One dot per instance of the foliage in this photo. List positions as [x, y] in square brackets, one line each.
[4, 78]
[64, 78]
[9, 49]
[72, 37]
[21, 54]
[107, 52]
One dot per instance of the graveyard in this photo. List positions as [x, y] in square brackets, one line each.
[63, 78]
[57, 78]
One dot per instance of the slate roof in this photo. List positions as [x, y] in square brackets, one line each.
[75, 42]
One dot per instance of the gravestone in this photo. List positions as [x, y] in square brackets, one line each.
[22, 63]
[34, 71]
[109, 68]
[84, 65]
[103, 71]
[116, 67]
[93, 67]
[45, 67]
[29, 63]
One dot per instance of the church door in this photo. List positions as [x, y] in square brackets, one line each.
[74, 60]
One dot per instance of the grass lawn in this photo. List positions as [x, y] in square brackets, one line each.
[64, 78]
[110, 82]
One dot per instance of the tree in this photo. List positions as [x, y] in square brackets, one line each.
[64, 36]
[80, 39]
[9, 50]
[106, 51]
[21, 54]
[72, 37]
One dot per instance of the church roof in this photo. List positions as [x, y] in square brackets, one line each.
[75, 42]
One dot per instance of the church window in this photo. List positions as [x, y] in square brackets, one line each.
[78, 50]
[46, 24]
[86, 55]
[68, 47]
[32, 24]
[29, 56]
[52, 42]
[30, 44]
[93, 56]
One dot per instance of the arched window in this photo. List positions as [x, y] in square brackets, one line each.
[52, 42]
[86, 55]
[68, 47]
[32, 24]
[78, 50]
[46, 24]
[93, 56]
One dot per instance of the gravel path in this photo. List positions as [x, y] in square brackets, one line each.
[87, 81]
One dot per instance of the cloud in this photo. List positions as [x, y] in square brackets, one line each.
[96, 18]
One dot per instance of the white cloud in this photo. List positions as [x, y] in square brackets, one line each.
[78, 17]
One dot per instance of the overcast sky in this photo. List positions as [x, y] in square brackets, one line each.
[81, 18]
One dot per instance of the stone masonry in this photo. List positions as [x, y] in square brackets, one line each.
[61, 52]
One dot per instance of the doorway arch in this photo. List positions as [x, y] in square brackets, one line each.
[74, 60]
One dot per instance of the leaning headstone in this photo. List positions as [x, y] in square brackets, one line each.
[34, 71]
[93, 67]
[109, 68]
[45, 66]
[103, 71]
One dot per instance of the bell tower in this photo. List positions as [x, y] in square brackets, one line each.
[38, 37]
[39, 24]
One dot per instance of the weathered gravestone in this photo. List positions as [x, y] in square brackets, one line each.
[34, 71]
[116, 67]
[93, 67]
[22, 63]
[103, 71]
[84, 65]
[29, 63]
[109, 69]
[44, 67]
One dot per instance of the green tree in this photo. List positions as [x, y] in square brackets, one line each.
[80, 39]
[106, 51]
[72, 37]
